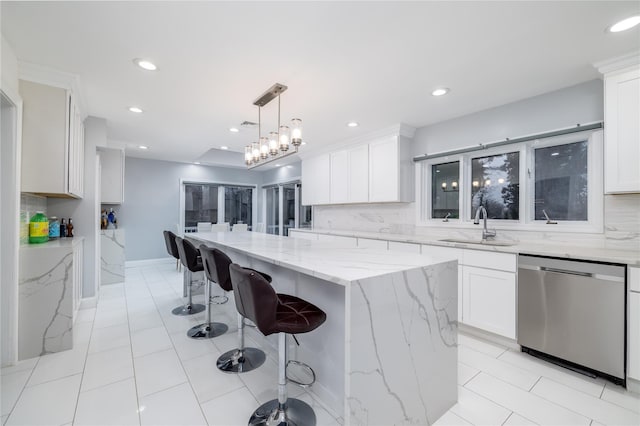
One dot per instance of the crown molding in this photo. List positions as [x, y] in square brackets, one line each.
[618, 63]
[46, 75]
[395, 130]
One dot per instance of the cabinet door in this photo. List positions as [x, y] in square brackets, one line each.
[316, 174]
[383, 171]
[633, 357]
[339, 177]
[489, 300]
[112, 176]
[359, 174]
[76, 151]
[622, 132]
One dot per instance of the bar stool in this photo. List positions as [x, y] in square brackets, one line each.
[172, 248]
[190, 259]
[240, 359]
[283, 314]
[208, 329]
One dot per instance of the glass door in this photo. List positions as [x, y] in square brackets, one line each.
[272, 200]
[289, 202]
[200, 205]
[238, 205]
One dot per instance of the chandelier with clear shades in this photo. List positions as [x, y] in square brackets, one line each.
[278, 144]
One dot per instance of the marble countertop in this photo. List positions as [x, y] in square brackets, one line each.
[320, 259]
[51, 244]
[542, 248]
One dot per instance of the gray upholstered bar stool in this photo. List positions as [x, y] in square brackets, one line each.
[190, 259]
[209, 329]
[283, 314]
[172, 248]
[240, 359]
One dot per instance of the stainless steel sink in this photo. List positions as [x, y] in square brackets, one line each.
[484, 243]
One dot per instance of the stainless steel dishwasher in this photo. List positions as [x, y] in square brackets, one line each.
[574, 312]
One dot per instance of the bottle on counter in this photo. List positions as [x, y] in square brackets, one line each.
[38, 228]
[63, 228]
[54, 228]
[70, 228]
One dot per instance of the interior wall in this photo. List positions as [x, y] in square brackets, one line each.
[152, 200]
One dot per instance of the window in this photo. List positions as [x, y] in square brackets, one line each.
[519, 184]
[238, 204]
[444, 190]
[561, 182]
[495, 185]
[200, 204]
[273, 210]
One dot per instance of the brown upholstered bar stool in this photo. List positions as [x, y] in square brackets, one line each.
[240, 359]
[208, 329]
[283, 314]
[190, 259]
[172, 248]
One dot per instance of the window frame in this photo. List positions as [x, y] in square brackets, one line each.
[526, 221]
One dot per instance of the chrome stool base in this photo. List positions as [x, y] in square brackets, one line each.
[207, 331]
[295, 413]
[188, 309]
[234, 361]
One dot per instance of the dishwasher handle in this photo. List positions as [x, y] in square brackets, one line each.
[566, 271]
[603, 277]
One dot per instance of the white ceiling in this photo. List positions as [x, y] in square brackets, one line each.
[372, 62]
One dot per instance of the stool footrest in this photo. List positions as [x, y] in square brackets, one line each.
[303, 367]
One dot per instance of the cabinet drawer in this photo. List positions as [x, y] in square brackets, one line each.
[370, 243]
[405, 247]
[490, 260]
[443, 251]
[634, 279]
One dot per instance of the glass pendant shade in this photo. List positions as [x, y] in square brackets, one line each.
[255, 152]
[273, 143]
[264, 148]
[296, 132]
[248, 158]
[284, 138]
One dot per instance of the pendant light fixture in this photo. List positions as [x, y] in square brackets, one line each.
[277, 145]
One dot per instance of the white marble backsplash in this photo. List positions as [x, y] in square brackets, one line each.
[621, 223]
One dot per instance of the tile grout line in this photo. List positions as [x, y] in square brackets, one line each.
[508, 417]
[133, 365]
[22, 390]
[86, 355]
[534, 385]
[173, 345]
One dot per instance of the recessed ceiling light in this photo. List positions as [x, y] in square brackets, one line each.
[352, 124]
[304, 143]
[234, 130]
[145, 64]
[196, 162]
[224, 147]
[277, 165]
[625, 24]
[135, 109]
[440, 92]
[143, 147]
[553, 154]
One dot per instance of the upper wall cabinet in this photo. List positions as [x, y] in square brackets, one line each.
[52, 142]
[111, 176]
[622, 130]
[373, 170]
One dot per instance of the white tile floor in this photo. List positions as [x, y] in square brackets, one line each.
[133, 364]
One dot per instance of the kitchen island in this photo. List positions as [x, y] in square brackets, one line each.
[387, 353]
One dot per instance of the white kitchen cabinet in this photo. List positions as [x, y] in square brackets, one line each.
[52, 142]
[633, 329]
[622, 131]
[374, 244]
[316, 179]
[339, 192]
[358, 170]
[489, 300]
[389, 179]
[111, 176]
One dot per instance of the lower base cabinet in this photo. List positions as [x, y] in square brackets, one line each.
[489, 300]
[633, 370]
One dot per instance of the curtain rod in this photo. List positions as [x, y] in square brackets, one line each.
[575, 129]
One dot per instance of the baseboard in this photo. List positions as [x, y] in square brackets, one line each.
[504, 341]
[148, 262]
[633, 385]
[88, 302]
[328, 400]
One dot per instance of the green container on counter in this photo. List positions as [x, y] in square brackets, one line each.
[38, 228]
